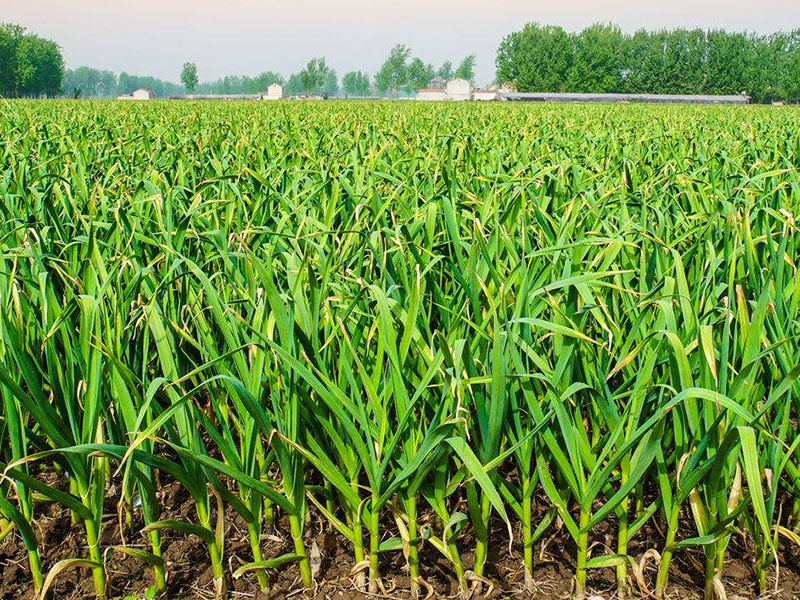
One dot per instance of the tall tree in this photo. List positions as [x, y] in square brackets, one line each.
[601, 58]
[597, 61]
[314, 75]
[9, 41]
[362, 84]
[466, 70]
[331, 84]
[89, 82]
[293, 85]
[189, 77]
[355, 83]
[39, 66]
[419, 75]
[445, 71]
[383, 79]
[393, 74]
[535, 59]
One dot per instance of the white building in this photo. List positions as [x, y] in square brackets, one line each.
[274, 92]
[431, 94]
[140, 94]
[459, 89]
[485, 95]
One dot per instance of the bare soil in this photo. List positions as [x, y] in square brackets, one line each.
[190, 578]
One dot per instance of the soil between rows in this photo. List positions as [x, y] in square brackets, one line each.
[190, 578]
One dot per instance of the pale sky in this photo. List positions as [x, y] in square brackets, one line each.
[246, 37]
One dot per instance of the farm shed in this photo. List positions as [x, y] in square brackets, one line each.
[459, 89]
[274, 92]
[217, 97]
[646, 98]
[432, 94]
[140, 94]
[485, 95]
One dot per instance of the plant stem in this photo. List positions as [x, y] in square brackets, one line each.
[413, 549]
[374, 543]
[36, 569]
[583, 543]
[254, 531]
[98, 574]
[527, 540]
[358, 541]
[296, 527]
[712, 560]
[666, 556]
[159, 577]
[622, 549]
[217, 569]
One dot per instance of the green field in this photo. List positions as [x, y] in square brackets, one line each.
[400, 322]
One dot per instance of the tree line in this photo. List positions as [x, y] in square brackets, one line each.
[604, 59]
[30, 66]
[401, 73]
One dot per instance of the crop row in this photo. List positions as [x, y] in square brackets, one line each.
[542, 315]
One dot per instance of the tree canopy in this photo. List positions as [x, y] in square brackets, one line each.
[189, 77]
[603, 59]
[30, 65]
[401, 72]
[355, 83]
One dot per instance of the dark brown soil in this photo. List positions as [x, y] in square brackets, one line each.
[189, 571]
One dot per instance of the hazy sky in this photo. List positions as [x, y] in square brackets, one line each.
[249, 36]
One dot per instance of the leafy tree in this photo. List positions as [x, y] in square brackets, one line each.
[349, 83]
[314, 76]
[9, 41]
[331, 84]
[445, 71]
[232, 84]
[393, 74]
[355, 83]
[419, 75]
[597, 61]
[189, 77]
[39, 67]
[601, 58]
[729, 55]
[293, 85]
[383, 79]
[90, 82]
[363, 84]
[535, 59]
[162, 89]
[466, 70]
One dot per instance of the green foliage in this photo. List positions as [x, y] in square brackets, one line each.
[314, 76]
[127, 83]
[232, 84]
[603, 59]
[408, 321]
[189, 77]
[419, 74]
[90, 83]
[355, 83]
[30, 65]
[445, 71]
[466, 69]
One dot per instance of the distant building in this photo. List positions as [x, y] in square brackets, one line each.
[459, 89]
[485, 95]
[645, 98]
[217, 97]
[437, 83]
[140, 94]
[430, 94]
[274, 92]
